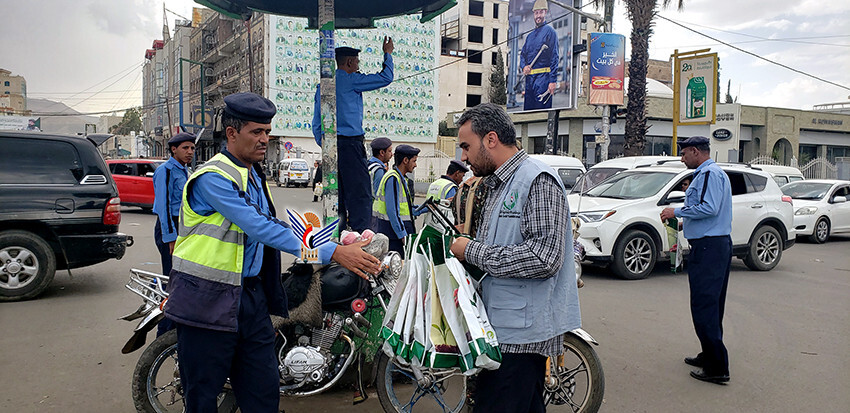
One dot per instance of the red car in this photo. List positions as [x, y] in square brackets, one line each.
[134, 178]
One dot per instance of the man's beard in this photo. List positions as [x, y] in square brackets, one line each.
[540, 23]
[485, 165]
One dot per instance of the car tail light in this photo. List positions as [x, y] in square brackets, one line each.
[112, 212]
[786, 198]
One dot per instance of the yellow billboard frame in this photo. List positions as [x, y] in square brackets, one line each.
[677, 59]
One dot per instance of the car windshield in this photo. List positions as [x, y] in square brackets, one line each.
[593, 177]
[299, 166]
[632, 185]
[806, 190]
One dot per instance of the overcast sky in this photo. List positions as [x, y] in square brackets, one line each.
[88, 53]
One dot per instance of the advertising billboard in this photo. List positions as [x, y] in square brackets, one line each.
[404, 111]
[695, 83]
[540, 56]
[607, 68]
[20, 123]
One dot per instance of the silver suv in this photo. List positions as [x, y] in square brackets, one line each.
[621, 226]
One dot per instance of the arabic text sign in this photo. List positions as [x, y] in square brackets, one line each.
[607, 68]
[697, 88]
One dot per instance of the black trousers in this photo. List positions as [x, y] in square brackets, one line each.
[209, 357]
[165, 257]
[708, 276]
[355, 186]
[516, 387]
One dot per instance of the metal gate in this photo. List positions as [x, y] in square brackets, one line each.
[819, 168]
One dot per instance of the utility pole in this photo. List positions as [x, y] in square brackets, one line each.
[606, 110]
[327, 86]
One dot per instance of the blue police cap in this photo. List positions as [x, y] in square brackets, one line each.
[346, 51]
[381, 143]
[693, 141]
[407, 151]
[249, 107]
[181, 137]
[459, 165]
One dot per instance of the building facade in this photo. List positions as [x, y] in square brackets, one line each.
[13, 94]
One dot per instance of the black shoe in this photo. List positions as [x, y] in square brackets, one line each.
[694, 361]
[716, 379]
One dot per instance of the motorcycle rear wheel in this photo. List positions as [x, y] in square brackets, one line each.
[578, 382]
[398, 390]
[156, 380]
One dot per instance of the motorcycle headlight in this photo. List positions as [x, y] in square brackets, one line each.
[809, 210]
[595, 216]
[392, 265]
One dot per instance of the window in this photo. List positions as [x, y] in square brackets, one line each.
[46, 162]
[122, 169]
[494, 56]
[755, 183]
[476, 34]
[6, 83]
[495, 11]
[473, 79]
[474, 56]
[145, 168]
[473, 100]
[495, 36]
[476, 8]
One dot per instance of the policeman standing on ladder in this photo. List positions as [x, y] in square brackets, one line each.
[226, 276]
[539, 61]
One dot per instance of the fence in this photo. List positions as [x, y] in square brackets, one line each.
[819, 168]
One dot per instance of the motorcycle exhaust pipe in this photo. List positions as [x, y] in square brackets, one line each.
[362, 321]
[354, 329]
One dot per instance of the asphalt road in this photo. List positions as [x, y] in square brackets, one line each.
[786, 330]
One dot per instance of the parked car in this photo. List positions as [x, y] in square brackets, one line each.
[601, 171]
[293, 171]
[568, 168]
[782, 174]
[621, 225]
[821, 207]
[134, 178]
[59, 209]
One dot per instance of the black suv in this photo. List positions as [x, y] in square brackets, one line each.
[59, 209]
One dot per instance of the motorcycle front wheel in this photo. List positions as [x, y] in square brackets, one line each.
[575, 382]
[398, 390]
[156, 380]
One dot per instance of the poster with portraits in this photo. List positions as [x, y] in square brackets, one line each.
[404, 111]
[540, 56]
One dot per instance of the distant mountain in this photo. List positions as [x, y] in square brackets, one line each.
[72, 124]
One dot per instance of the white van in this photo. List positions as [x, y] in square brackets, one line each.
[782, 174]
[568, 168]
[601, 171]
[293, 171]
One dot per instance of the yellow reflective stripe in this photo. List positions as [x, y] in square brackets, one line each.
[540, 70]
[379, 206]
[209, 273]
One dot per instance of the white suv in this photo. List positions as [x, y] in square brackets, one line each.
[621, 225]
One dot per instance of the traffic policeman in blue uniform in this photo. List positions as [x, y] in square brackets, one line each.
[168, 182]
[446, 186]
[393, 210]
[225, 279]
[707, 226]
[355, 194]
[539, 63]
[382, 152]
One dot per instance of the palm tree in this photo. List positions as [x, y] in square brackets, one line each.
[641, 14]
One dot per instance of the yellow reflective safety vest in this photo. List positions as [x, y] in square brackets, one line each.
[440, 188]
[379, 206]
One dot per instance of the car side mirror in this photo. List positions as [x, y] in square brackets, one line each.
[839, 200]
[674, 197]
[149, 174]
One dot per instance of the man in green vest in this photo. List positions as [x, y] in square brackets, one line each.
[393, 209]
[446, 186]
[225, 279]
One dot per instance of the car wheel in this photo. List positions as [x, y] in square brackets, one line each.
[27, 265]
[634, 255]
[821, 232]
[765, 249]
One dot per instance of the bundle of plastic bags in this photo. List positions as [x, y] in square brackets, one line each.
[435, 317]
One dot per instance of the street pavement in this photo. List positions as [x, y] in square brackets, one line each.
[786, 330]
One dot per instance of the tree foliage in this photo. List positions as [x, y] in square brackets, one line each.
[498, 92]
[132, 121]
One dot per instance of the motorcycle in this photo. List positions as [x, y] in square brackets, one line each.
[315, 347]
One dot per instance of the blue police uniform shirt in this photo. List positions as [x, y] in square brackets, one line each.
[379, 174]
[349, 99]
[391, 197]
[250, 211]
[544, 34]
[708, 203]
[168, 182]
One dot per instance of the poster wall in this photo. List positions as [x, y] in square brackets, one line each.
[607, 68]
[404, 111]
[696, 88]
[540, 56]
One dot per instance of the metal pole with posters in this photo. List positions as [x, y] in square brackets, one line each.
[327, 82]
[699, 70]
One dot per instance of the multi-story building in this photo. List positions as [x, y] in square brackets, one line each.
[13, 94]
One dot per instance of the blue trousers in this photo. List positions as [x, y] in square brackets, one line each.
[515, 387]
[355, 186]
[165, 258]
[209, 357]
[708, 275]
